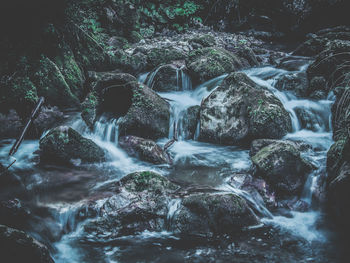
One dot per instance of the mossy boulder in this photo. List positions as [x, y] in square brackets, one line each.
[65, 145]
[141, 204]
[147, 181]
[209, 215]
[71, 72]
[20, 94]
[207, 63]
[239, 111]
[148, 116]
[52, 85]
[283, 168]
[145, 150]
[159, 56]
[17, 246]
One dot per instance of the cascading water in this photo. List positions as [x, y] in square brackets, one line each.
[195, 163]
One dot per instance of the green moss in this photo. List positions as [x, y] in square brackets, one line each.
[52, 85]
[146, 180]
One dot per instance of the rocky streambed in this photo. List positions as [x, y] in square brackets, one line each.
[213, 156]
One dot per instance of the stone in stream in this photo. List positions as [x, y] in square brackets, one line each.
[295, 83]
[145, 150]
[64, 145]
[142, 202]
[190, 122]
[213, 214]
[17, 247]
[208, 63]
[283, 168]
[257, 145]
[239, 111]
[144, 113]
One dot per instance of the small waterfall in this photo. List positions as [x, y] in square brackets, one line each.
[107, 129]
[173, 208]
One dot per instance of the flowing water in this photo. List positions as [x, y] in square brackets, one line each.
[57, 195]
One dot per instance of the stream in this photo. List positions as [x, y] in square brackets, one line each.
[55, 194]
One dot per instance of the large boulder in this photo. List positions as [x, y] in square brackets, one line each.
[144, 113]
[145, 150]
[259, 144]
[208, 63]
[239, 111]
[65, 145]
[165, 55]
[17, 247]
[213, 214]
[283, 168]
[141, 204]
[148, 116]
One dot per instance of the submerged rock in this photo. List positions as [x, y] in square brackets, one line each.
[63, 145]
[283, 168]
[208, 63]
[145, 150]
[17, 247]
[240, 111]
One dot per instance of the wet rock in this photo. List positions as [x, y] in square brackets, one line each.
[148, 116]
[295, 83]
[257, 145]
[165, 78]
[144, 113]
[17, 246]
[47, 118]
[317, 88]
[309, 120]
[257, 188]
[141, 204]
[213, 214]
[159, 56]
[330, 64]
[208, 63]
[283, 168]
[64, 145]
[240, 111]
[10, 125]
[145, 150]
[190, 122]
